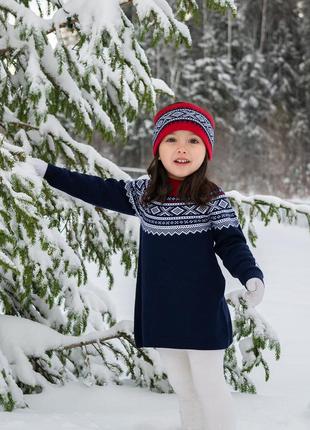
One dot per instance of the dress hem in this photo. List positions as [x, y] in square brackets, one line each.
[213, 347]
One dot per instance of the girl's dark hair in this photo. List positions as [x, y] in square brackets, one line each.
[195, 188]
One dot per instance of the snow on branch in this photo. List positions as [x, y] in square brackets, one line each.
[266, 207]
[222, 5]
[27, 346]
[253, 334]
[21, 339]
[99, 80]
[23, 336]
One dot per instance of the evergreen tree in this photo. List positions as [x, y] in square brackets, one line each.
[301, 125]
[283, 52]
[267, 64]
[53, 95]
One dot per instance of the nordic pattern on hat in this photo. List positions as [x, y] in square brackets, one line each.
[184, 114]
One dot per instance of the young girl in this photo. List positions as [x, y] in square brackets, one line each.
[185, 220]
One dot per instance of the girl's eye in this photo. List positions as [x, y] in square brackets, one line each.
[192, 140]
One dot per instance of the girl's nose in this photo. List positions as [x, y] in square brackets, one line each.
[182, 147]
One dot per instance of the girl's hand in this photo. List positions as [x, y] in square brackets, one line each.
[40, 166]
[255, 293]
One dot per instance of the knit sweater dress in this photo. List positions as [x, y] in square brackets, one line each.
[179, 298]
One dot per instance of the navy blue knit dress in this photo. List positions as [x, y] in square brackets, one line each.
[179, 300]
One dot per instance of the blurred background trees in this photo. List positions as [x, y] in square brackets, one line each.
[253, 73]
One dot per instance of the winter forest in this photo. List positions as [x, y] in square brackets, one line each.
[253, 71]
[80, 82]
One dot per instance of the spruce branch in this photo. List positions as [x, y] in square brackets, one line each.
[272, 204]
[266, 208]
[253, 334]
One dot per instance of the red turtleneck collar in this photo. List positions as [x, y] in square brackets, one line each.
[175, 185]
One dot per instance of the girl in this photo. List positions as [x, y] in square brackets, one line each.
[185, 220]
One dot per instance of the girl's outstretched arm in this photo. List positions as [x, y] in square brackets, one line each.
[107, 193]
[230, 243]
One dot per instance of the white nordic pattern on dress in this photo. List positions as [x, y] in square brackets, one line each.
[176, 217]
[223, 204]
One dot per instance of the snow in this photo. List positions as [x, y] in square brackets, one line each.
[20, 331]
[281, 403]
[164, 15]
[160, 85]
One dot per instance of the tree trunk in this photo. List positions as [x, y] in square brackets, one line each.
[229, 25]
[263, 26]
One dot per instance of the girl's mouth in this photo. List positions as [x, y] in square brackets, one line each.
[181, 161]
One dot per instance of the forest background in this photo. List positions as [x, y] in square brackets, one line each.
[252, 72]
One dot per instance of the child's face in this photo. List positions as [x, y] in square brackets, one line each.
[181, 144]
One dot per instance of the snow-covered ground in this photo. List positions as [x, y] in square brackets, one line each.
[282, 403]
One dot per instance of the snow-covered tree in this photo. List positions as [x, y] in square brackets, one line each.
[283, 52]
[302, 120]
[50, 92]
[270, 114]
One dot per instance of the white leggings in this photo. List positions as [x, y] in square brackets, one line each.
[197, 377]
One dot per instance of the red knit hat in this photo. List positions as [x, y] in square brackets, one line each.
[184, 116]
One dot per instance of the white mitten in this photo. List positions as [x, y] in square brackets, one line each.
[40, 166]
[255, 291]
